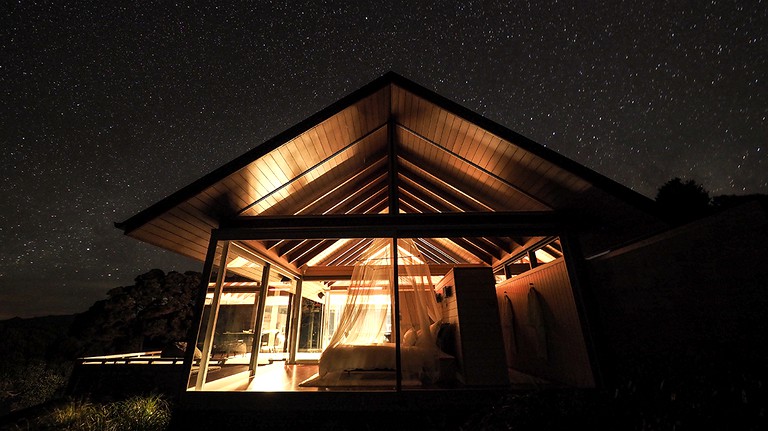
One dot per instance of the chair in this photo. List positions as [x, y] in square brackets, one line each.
[265, 342]
[278, 343]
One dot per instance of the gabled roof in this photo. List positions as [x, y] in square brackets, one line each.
[391, 139]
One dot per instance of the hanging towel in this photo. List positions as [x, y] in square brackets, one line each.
[537, 322]
[508, 326]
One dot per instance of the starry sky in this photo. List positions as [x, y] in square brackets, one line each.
[109, 106]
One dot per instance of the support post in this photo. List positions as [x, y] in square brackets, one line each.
[533, 259]
[202, 374]
[583, 296]
[293, 332]
[396, 312]
[256, 346]
[194, 330]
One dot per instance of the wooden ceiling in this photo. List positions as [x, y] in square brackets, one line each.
[390, 140]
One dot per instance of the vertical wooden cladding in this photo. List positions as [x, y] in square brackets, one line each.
[269, 174]
[567, 360]
[398, 108]
[450, 315]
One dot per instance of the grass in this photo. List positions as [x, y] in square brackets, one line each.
[139, 413]
[646, 404]
[30, 384]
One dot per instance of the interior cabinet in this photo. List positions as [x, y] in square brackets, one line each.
[470, 306]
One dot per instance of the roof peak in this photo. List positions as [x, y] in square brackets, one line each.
[436, 106]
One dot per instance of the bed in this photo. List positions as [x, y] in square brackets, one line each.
[359, 344]
[415, 360]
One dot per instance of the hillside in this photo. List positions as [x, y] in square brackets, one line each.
[37, 338]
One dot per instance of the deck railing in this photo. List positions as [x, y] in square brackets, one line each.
[142, 358]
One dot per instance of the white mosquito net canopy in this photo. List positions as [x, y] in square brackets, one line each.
[366, 320]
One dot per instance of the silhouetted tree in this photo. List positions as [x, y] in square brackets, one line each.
[681, 202]
[151, 313]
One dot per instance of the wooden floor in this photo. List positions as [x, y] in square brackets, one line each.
[279, 377]
[273, 399]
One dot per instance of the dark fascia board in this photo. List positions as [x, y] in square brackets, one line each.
[613, 187]
[468, 224]
[257, 152]
[617, 189]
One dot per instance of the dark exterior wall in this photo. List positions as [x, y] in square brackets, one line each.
[696, 291]
[565, 360]
[616, 224]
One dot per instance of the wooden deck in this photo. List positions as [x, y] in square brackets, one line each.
[279, 377]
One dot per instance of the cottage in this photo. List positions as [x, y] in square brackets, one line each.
[396, 241]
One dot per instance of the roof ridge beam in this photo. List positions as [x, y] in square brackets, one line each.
[394, 200]
[477, 224]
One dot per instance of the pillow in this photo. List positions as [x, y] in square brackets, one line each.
[410, 337]
[424, 338]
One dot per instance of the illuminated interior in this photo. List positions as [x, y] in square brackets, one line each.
[296, 318]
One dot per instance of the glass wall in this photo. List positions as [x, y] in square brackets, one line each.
[273, 344]
[263, 330]
[245, 297]
[544, 252]
[311, 330]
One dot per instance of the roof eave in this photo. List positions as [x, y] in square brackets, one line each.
[243, 160]
[638, 200]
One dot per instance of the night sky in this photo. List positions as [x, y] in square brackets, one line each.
[107, 108]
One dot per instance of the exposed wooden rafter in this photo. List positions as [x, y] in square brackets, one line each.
[440, 186]
[391, 146]
[474, 165]
[303, 174]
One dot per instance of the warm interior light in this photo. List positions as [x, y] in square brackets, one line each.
[241, 262]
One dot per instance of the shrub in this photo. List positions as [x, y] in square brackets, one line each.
[31, 384]
[139, 413]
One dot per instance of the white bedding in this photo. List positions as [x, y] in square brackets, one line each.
[415, 359]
